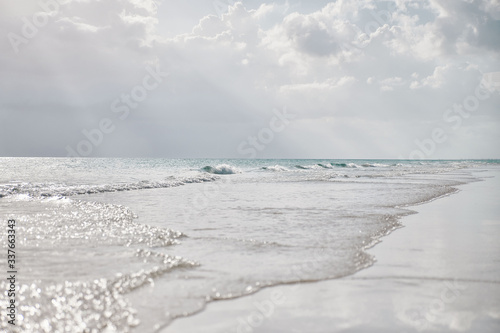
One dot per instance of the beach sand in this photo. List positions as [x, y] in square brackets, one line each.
[441, 272]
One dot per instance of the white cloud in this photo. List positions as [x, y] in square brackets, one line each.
[321, 87]
[396, 66]
[388, 84]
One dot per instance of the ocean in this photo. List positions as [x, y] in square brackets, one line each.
[128, 245]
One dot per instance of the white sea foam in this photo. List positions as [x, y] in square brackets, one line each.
[57, 189]
[374, 165]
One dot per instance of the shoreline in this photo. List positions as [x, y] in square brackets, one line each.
[419, 281]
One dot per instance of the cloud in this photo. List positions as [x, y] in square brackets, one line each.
[395, 65]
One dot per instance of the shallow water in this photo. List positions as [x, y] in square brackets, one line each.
[119, 245]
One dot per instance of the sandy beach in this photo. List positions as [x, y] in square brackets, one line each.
[438, 273]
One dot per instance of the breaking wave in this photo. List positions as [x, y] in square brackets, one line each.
[276, 168]
[221, 169]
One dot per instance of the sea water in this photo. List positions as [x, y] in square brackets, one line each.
[128, 245]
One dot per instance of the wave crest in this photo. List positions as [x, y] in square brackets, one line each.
[221, 169]
[276, 168]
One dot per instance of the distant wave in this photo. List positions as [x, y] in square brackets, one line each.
[328, 166]
[308, 167]
[374, 165]
[276, 168]
[51, 189]
[221, 169]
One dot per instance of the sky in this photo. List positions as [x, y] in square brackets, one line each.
[250, 79]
